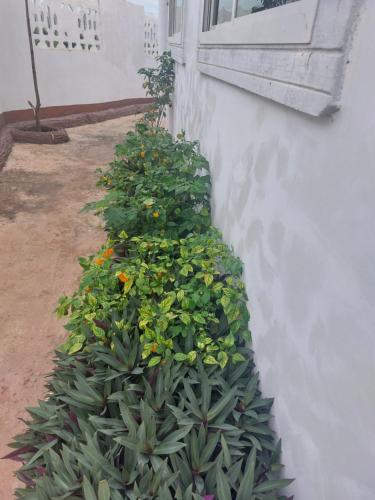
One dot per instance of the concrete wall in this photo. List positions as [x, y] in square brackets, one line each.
[73, 76]
[295, 197]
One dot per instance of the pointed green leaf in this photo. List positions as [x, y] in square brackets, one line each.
[104, 493]
[247, 484]
[223, 488]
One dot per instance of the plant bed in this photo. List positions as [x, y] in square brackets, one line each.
[48, 135]
[155, 394]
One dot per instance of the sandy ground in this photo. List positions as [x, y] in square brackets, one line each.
[42, 232]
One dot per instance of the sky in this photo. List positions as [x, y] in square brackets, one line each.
[150, 5]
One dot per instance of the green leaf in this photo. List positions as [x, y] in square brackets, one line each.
[75, 348]
[223, 488]
[154, 361]
[223, 359]
[272, 485]
[208, 279]
[177, 435]
[229, 341]
[104, 493]
[167, 303]
[191, 356]
[41, 450]
[225, 301]
[226, 452]
[185, 318]
[247, 484]
[167, 448]
[237, 358]
[149, 201]
[88, 490]
[198, 318]
[180, 356]
[210, 360]
[220, 405]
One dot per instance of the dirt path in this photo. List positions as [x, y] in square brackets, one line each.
[42, 190]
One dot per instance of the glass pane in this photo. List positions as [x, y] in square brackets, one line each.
[207, 15]
[223, 11]
[178, 20]
[245, 7]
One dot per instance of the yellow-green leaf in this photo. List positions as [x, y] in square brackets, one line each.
[75, 348]
[208, 279]
[210, 360]
[223, 359]
[185, 318]
[154, 361]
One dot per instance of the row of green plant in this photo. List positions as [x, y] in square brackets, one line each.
[182, 297]
[115, 429]
[153, 188]
[155, 394]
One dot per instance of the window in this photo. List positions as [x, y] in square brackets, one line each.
[245, 7]
[222, 11]
[175, 17]
[176, 29]
[229, 21]
[290, 51]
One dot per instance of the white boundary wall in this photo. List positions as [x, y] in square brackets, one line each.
[74, 75]
[295, 196]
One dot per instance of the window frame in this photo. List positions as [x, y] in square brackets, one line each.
[300, 70]
[175, 37]
[176, 40]
[287, 24]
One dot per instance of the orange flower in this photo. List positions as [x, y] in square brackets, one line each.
[154, 347]
[100, 261]
[142, 154]
[88, 289]
[122, 277]
[156, 214]
[108, 253]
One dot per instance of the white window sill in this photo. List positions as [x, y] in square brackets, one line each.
[291, 23]
[279, 59]
[176, 47]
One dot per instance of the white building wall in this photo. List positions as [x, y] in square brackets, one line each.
[295, 196]
[73, 76]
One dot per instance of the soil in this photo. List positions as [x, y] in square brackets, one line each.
[42, 233]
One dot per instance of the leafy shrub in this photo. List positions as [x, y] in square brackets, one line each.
[156, 186]
[184, 296]
[159, 84]
[114, 428]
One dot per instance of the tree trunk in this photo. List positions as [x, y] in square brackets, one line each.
[37, 106]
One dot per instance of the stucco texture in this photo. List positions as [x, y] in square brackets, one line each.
[294, 195]
[73, 76]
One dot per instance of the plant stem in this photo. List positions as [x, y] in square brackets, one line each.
[33, 66]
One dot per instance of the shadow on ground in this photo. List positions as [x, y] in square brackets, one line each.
[22, 191]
